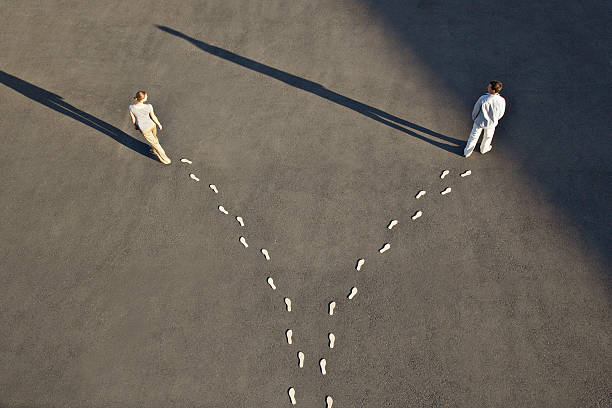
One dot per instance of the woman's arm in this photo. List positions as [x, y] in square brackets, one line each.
[134, 120]
[152, 115]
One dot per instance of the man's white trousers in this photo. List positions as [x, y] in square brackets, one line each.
[485, 146]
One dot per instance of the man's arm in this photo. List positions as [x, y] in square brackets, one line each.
[503, 108]
[476, 109]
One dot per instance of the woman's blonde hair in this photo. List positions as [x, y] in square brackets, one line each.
[140, 95]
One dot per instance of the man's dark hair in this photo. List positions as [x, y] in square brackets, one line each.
[496, 86]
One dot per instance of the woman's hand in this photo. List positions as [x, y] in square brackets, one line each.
[160, 126]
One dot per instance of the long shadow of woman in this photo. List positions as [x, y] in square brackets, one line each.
[318, 89]
[58, 104]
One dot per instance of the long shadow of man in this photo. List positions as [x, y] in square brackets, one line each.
[317, 89]
[58, 104]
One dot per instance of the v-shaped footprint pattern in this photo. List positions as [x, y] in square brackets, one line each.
[353, 291]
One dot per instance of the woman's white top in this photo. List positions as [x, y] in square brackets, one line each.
[141, 112]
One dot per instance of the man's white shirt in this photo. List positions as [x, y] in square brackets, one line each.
[488, 110]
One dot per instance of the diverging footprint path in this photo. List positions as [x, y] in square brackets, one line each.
[349, 293]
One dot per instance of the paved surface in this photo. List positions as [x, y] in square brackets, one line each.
[124, 286]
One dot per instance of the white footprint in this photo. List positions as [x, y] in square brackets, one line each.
[184, 160]
[289, 334]
[243, 242]
[444, 174]
[446, 191]
[332, 340]
[193, 177]
[466, 173]
[213, 188]
[240, 221]
[300, 359]
[392, 224]
[420, 194]
[223, 210]
[417, 215]
[329, 401]
[332, 306]
[323, 365]
[385, 248]
[360, 263]
[291, 393]
[288, 303]
[271, 283]
[265, 253]
[353, 293]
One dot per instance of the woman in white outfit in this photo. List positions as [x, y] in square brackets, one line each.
[144, 119]
[487, 111]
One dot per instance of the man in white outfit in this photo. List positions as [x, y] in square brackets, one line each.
[488, 110]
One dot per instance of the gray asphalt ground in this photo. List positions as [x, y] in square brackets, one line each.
[319, 121]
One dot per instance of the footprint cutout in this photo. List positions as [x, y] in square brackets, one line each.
[288, 303]
[193, 177]
[466, 173]
[300, 359]
[243, 242]
[184, 160]
[291, 393]
[329, 401]
[213, 188]
[417, 214]
[353, 293]
[444, 174]
[332, 340]
[360, 263]
[240, 221]
[289, 334]
[385, 248]
[223, 210]
[332, 306]
[446, 191]
[265, 253]
[420, 194]
[323, 365]
[271, 283]
[392, 224]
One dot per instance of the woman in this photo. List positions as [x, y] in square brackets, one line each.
[145, 120]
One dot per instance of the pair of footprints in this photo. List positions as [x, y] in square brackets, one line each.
[243, 240]
[447, 189]
[301, 356]
[329, 401]
[464, 174]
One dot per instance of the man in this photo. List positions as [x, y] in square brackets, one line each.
[488, 110]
